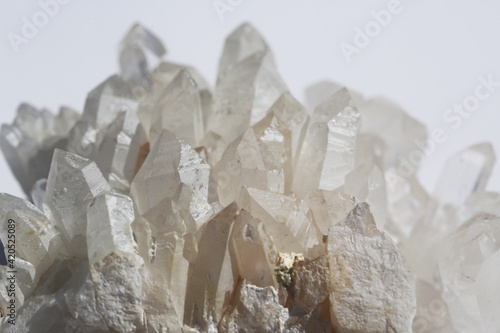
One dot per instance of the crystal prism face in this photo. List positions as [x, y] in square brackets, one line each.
[174, 189]
[73, 182]
[327, 153]
[171, 207]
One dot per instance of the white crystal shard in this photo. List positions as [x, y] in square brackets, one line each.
[72, 184]
[371, 288]
[174, 189]
[327, 154]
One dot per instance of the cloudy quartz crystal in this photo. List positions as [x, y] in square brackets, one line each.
[169, 206]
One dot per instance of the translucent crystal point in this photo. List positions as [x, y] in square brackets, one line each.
[180, 110]
[327, 154]
[133, 61]
[174, 189]
[371, 287]
[150, 99]
[240, 44]
[106, 101]
[72, 184]
[244, 95]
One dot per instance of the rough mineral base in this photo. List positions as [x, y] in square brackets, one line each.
[169, 206]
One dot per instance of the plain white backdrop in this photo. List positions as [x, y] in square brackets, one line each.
[426, 59]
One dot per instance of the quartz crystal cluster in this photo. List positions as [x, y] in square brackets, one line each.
[172, 206]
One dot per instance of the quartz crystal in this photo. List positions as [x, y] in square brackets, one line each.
[169, 206]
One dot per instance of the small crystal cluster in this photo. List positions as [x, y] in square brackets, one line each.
[171, 207]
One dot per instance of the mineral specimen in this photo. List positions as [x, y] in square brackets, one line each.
[166, 207]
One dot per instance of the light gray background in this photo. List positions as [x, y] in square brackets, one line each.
[426, 59]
